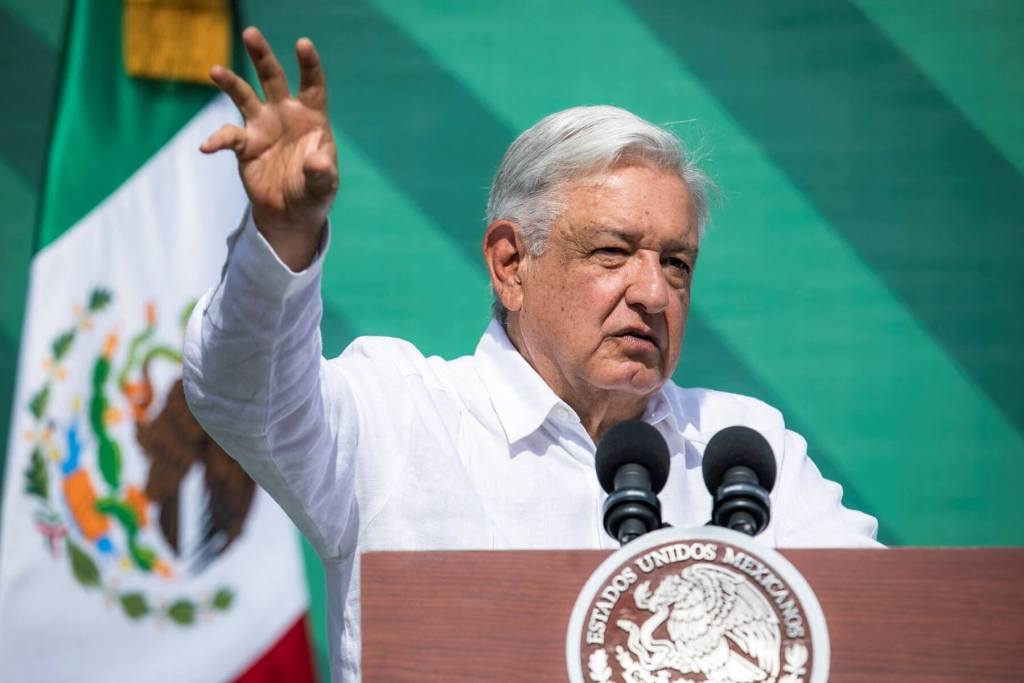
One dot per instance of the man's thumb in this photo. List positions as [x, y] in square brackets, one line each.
[321, 174]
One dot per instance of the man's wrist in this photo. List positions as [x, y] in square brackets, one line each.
[253, 256]
[295, 242]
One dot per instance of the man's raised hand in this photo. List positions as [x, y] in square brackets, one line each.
[286, 154]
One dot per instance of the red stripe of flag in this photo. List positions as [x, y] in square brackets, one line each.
[289, 660]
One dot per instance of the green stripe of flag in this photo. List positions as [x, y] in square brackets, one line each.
[108, 124]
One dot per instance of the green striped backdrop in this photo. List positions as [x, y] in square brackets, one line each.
[862, 271]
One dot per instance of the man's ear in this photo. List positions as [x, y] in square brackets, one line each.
[505, 256]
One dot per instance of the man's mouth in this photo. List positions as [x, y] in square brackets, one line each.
[639, 339]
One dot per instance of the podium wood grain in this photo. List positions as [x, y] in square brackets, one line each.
[910, 615]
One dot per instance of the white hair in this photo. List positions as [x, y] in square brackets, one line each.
[573, 143]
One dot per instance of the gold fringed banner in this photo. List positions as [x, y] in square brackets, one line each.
[176, 40]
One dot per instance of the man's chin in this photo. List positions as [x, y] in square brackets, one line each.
[635, 379]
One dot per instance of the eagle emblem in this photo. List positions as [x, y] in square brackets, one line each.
[125, 479]
[718, 626]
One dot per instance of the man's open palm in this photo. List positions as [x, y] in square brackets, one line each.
[286, 154]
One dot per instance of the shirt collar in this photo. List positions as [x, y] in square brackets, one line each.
[523, 400]
[659, 408]
[520, 397]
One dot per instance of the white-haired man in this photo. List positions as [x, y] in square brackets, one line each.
[594, 225]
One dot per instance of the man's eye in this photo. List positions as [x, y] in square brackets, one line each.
[609, 256]
[677, 264]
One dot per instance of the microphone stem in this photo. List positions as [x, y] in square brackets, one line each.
[631, 528]
[743, 522]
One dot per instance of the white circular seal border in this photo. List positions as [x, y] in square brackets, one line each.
[821, 651]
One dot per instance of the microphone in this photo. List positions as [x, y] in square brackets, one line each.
[739, 471]
[632, 463]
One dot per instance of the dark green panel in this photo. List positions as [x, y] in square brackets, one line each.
[45, 17]
[893, 165]
[28, 66]
[16, 230]
[965, 48]
[28, 69]
[336, 332]
[8, 371]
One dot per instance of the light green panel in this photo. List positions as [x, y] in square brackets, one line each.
[775, 281]
[973, 52]
[407, 278]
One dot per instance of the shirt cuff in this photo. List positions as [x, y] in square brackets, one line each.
[249, 252]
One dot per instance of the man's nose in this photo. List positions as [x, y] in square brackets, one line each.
[648, 288]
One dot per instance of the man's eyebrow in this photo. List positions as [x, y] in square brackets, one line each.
[611, 231]
[688, 249]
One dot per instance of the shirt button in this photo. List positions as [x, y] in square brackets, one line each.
[562, 414]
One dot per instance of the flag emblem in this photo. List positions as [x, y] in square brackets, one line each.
[128, 489]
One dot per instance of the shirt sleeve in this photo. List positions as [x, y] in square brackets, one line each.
[256, 381]
[809, 509]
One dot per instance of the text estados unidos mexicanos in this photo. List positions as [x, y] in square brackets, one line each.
[657, 558]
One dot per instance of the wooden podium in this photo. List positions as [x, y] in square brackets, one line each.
[893, 615]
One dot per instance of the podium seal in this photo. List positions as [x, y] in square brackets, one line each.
[697, 605]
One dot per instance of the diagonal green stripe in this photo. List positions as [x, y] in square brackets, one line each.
[889, 161]
[775, 280]
[19, 205]
[44, 17]
[972, 51]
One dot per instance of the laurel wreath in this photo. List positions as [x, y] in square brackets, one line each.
[134, 604]
[598, 670]
[598, 667]
[795, 667]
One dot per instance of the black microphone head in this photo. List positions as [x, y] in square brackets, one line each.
[738, 446]
[632, 442]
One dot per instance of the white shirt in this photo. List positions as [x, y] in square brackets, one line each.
[385, 449]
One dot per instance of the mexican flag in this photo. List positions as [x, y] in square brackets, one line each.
[131, 546]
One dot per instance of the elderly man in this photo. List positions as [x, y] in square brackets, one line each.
[594, 220]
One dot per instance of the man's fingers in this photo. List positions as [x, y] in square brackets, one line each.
[228, 137]
[240, 92]
[272, 78]
[312, 87]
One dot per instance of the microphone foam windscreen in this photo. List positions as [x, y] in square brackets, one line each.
[632, 442]
[734, 446]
